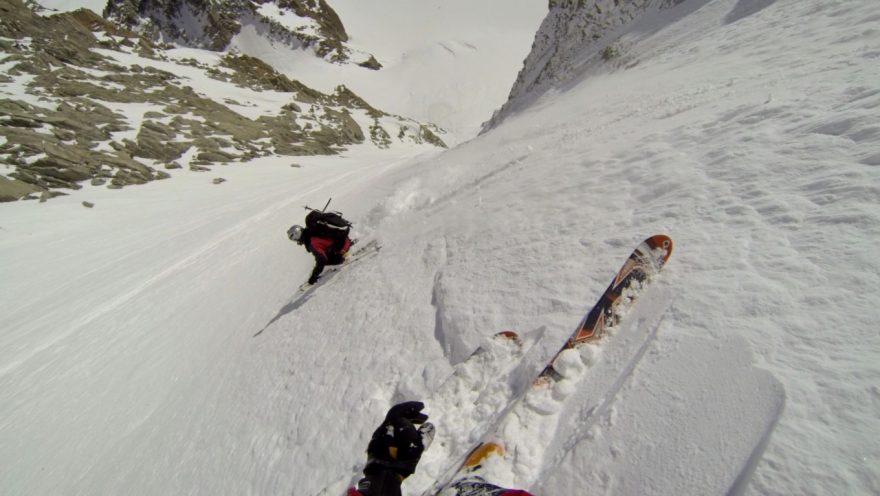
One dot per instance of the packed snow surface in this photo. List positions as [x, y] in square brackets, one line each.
[746, 130]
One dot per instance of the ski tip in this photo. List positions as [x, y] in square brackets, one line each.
[661, 242]
[509, 335]
[483, 452]
[547, 377]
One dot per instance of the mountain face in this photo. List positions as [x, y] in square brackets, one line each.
[575, 35]
[101, 104]
[212, 24]
[195, 23]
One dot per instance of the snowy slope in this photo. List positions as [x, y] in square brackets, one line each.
[129, 363]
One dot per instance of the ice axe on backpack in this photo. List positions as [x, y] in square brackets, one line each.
[322, 220]
[328, 224]
[323, 209]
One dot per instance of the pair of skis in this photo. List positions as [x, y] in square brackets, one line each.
[645, 261]
[465, 478]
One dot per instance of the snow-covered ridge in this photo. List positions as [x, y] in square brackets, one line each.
[579, 36]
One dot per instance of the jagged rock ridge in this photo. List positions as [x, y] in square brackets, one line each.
[212, 24]
[576, 34]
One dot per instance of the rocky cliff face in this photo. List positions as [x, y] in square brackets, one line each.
[575, 35]
[211, 24]
[85, 100]
[196, 23]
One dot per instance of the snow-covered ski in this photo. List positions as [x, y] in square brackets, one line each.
[645, 261]
[543, 401]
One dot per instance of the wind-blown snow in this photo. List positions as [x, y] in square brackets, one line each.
[128, 362]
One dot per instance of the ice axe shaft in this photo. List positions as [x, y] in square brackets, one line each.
[323, 209]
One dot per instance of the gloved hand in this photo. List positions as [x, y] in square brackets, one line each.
[409, 410]
[397, 444]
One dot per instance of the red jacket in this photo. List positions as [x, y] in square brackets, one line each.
[323, 247]
[325, 254]
[510, 492]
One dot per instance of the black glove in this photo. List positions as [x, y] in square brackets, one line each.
[397, 444]
[408, 410]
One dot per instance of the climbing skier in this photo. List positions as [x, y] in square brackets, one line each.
[325, 236]
[396, 448]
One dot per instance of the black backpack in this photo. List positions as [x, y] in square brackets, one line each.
[327, 224]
